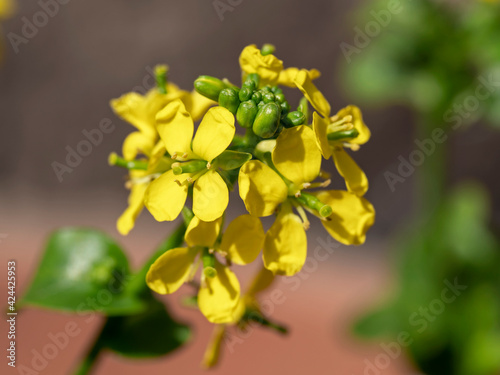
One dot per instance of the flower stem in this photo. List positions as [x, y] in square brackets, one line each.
[88, 363]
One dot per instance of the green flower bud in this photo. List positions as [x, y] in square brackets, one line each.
[255, 78]
[268, 97]
[267, 120]
[295, 118]
[276, 90]
[261, 104]
[304, 108]
[265, 89]
[285, 108]
[209, 87]
[228, 98]
[257, 97]
[246, 113]
[267, 49]
[245, 94]
[250, 84]
[279, 97]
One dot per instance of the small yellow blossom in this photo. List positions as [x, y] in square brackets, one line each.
[166, 196]
[219, 294]
[297, 161]
[333, 134]
[140, 111]
[260, 283]
[269, 68]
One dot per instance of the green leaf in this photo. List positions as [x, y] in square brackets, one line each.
[149, 334]
[82, 270]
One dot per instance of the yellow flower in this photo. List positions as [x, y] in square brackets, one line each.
[345, 129]
[219, 294]
[269, 68]
[138, 182]
[126, 221]
[261, 282]
[166, 196]
[140, 111]
[296, 160]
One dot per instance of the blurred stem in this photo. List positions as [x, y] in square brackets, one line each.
[432, 174]
[88, 363]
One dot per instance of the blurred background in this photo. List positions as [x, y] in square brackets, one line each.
[58, 75]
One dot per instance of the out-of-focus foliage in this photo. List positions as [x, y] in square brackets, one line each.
[454, 329]
[430, 55]
[435, 56]
[84, 271]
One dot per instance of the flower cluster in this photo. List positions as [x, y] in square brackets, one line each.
[276, 164]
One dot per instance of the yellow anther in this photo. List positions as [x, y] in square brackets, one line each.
[174, 155]
[352, 146]
[177, 182]
[326, 183]
[211, 251]
[306, 185]
[209, 165]
[297, 194]
[185, 155]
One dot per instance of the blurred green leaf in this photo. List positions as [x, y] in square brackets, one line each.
[82, 270]
[383, 322]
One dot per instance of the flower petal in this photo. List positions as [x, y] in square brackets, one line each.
[243, 239]
[267, 67]
[164, 198]
[215, 133]
[287, 76]
[311, 92]
[199, 105]
[176, 127]
[213, 350]
[261, 282]
[359, 125]
[355, 179]
[210, 196]
[219, 298]
[156, 156]
[171, 270]
[351, 218]
[261, 188]
[320, 127]
[297, 155]
[285, 246]
[137, 142]
[140, 111]
[202, 233]
[127, 219]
